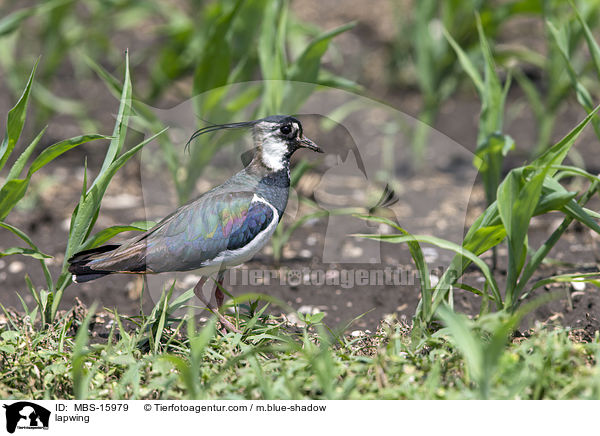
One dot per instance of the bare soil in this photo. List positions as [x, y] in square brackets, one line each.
[427, 205]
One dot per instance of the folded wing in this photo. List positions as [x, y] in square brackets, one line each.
[192, 237]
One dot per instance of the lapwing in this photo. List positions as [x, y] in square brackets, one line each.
[224, 227]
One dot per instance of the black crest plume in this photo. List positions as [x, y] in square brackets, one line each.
[388, 198]
[215, 127]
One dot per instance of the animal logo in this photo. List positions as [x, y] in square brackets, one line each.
[27, 415]
[294, 278]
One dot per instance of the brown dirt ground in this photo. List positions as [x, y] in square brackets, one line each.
[56, 189]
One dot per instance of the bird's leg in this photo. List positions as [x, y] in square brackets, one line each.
[219, 296]
[200, 295]
[224, 321]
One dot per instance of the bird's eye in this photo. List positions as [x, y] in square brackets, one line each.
[286, 129]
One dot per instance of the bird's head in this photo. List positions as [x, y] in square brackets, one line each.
[276, 138]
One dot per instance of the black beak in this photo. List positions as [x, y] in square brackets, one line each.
[304, 142]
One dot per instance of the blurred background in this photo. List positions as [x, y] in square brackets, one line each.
[419, 60]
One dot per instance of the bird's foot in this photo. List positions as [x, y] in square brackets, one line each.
[219, 297]
[227, 325]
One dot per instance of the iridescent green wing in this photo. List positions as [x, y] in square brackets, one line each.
[197, 233]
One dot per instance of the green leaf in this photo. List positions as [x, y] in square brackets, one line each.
[448, 245]
[466, 63]
[104, 235]
[418, 258]
[199, 342]
[11, 22]
[593, 277]
[7, 348]
[483, 355]
[332, 81]
[55, 150]
[575, 171]
[10, 336]
[163, 305]
[80, 374]
[485, 238]
[557, 153]
[469, 345]
[493, 95]
[496, 144]
[181, 300]
[15, 189]
[17, 168]
[518, 197]
[553, 201]
[425, 54]
[489, 158]
[214, 65]
[120, 129]
[144, 116]
[271, 53]
[24, 251]
[564, 199]
[10, 194]
[306, 67]
[15, 121]
[532, 93]
[20, 234]
[574, 210]
[590, 40]
[315, 318]
[583, 95]
[114, 86]
[89, 206]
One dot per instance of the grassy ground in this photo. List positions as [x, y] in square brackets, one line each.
[98, 356]
[87, 353]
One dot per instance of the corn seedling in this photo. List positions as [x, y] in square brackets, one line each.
[526, 192]
[492, 145]
[86, 211]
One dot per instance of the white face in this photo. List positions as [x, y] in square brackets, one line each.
[275, 143]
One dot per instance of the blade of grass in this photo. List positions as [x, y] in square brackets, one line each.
[20, 234]
[419, 260]
[17, 167]
[397, 239]
[81, 375]
[16, 120]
